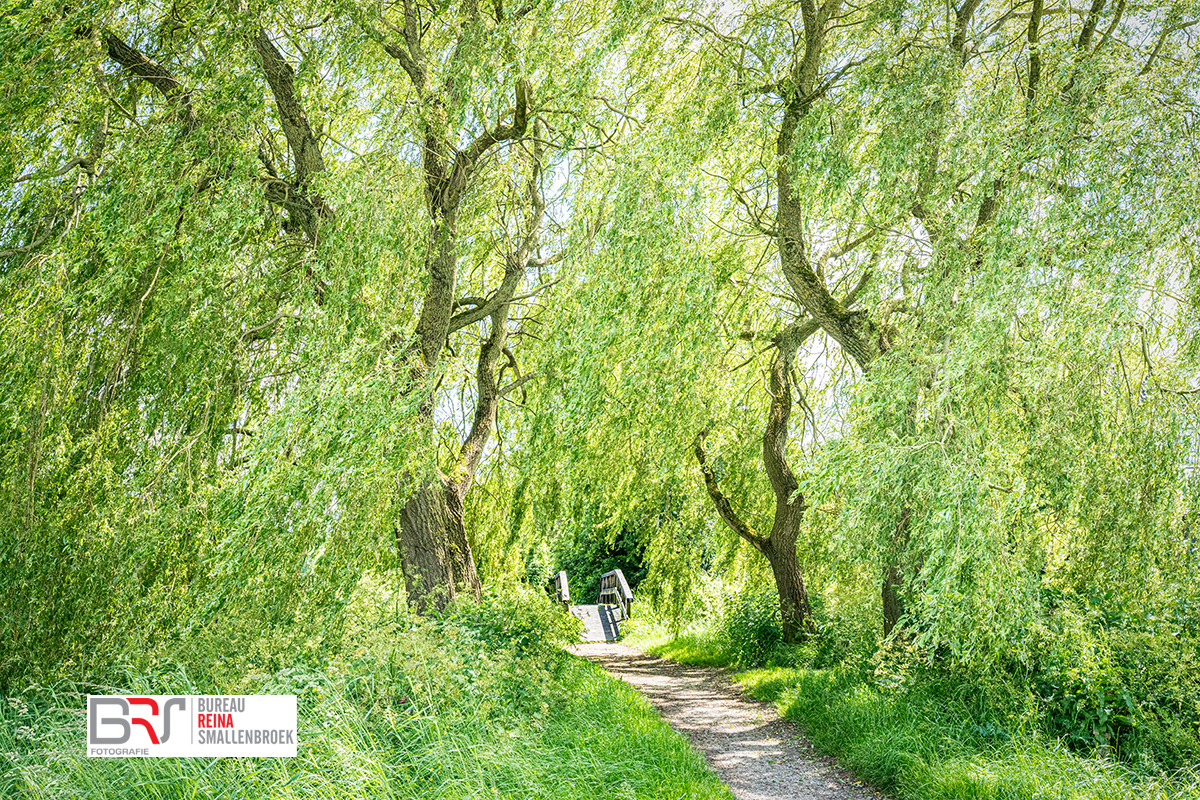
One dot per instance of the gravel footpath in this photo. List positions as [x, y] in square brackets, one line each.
[759, 755]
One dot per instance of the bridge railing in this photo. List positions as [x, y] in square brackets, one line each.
[562, 592]
[614, 590]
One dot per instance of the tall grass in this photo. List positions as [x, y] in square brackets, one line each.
[921, 742]
[481, 705]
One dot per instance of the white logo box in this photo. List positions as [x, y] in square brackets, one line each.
[148, 726]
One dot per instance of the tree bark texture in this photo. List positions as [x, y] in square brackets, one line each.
[780, 545]
[893, 605]
[794, 609]
[431, 537]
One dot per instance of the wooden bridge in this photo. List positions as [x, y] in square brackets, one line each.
[614, 605]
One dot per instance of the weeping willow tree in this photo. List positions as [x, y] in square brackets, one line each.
[959, 239]
[265, 270]
[900, 295]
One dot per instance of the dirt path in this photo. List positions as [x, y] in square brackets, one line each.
[756, 753]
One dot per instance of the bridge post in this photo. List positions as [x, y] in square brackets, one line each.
[562, 592]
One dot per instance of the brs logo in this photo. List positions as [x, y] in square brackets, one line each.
[125, 722]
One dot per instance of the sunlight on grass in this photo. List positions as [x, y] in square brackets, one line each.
[699, 647]
[484, 704]
[600, 738]
[922, 745]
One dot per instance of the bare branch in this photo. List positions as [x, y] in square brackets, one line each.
[616, 110]
[962, 20]
[1112, 26]
[854, 243]
[407, 64]
[1089, 25]
[535, 292]
[992, 28]
[266, 329]
[36, 243]
[863, 281]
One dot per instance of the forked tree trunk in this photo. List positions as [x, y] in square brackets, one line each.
[432, 538]
[780, 545]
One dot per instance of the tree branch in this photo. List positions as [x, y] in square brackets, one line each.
[724, 509]
[990, 29]
[517, 384]
[1035, 56]
[1089, 25]
[962, 20]
[406, 63]
[1162, 38]
[466, 160]
[137, 63]
[70, 165]
[306, 149]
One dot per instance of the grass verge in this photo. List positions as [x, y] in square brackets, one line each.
[600, 739]
[923, 741]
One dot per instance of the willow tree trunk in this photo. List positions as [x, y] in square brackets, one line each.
[437, 563]
[779, 546]
[432, 539]
[794, 609]
[431, 535]
[434, 551]
[893, 606]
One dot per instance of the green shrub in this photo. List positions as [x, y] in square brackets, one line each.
[751, 626]
[519, 616]
[1119, 683]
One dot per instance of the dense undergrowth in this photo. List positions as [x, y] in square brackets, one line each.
[482, 703]
[1107, 711]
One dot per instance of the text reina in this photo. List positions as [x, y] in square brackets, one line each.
[214, 720]
[217, 712]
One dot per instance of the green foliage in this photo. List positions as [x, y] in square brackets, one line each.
[751, 628]
[1128, 689]
[921, 730]
[932, 741]
[590, 553]
[740, 627]
[519, 616]
[1115, 686]
[407, 708]
[208, 418]
[206, 414]
[1087, 711]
